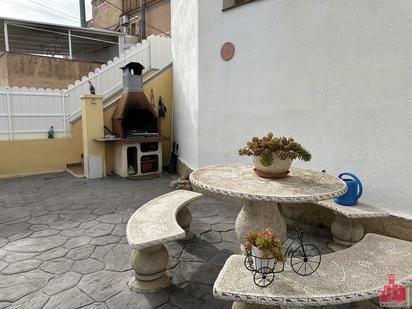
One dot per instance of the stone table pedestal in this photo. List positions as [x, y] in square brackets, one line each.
[259, 216]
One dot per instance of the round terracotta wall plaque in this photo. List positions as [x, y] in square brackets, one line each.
[227, 51]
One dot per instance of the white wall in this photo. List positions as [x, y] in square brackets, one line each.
[185, 78]
[336, 75]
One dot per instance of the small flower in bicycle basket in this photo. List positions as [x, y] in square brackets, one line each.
[267, 243]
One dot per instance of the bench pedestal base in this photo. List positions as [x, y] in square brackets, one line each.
[149, 286]
[184, 219]
[239, 305]
[149, 265]
[346, 232]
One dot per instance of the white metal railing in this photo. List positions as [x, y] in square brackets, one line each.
[29, 112]
[115, 93]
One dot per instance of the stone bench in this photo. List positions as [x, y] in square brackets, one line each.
[355, 274]
[163, 219]
[347, 228]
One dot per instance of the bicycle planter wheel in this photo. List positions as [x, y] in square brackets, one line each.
[264, 276]
[249, 262]
[305, 260]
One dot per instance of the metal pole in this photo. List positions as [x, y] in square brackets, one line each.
[82, 14]
[142, 20]
[9, 113]
[6, 37]
[70, 45]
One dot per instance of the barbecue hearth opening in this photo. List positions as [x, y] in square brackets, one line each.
[139, 122]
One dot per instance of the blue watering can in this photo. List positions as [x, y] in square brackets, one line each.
[355, 189]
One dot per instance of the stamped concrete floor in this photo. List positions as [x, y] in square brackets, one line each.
[63, 245]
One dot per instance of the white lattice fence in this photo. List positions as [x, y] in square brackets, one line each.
[28, 113]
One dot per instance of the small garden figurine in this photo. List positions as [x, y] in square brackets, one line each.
[50, 133]
[273, 156]
[91, 88]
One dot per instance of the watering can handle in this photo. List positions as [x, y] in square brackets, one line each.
[357, 181]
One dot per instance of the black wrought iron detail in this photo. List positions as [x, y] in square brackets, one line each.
[304, 259]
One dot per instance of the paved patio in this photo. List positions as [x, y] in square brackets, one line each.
[63, 245]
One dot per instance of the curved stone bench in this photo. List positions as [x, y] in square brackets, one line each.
[347, 228]
[350, 275]
[163, 219]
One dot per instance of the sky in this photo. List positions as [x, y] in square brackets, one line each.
[52, 11]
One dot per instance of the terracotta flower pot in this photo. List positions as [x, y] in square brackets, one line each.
[278, 169]
[147, 166]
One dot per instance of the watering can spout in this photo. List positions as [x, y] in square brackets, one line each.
[355, 190]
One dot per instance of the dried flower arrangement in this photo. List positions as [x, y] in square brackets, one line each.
[268, 244]
[283, 147]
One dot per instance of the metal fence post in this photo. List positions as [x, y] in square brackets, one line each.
[98, 83]
[70, 44]
[149, 56]
[64, 114]
[6, 37]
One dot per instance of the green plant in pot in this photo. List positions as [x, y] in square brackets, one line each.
[265, 247]
[273, 156]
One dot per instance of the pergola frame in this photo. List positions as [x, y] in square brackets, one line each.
[21, 36]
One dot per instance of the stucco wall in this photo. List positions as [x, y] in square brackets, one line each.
[158, 15]
[41, 72]
[334, 74]
[3, 69]
[107, 17]
[185, 78]
[27, 157]
[101, 55]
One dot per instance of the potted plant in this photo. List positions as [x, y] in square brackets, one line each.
[273, 156]
[265, 248]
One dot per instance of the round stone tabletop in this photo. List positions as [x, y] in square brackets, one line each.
[239, 181]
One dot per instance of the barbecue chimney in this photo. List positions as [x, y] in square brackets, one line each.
[134, 116]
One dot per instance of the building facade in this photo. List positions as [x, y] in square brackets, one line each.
[107, 15]
[335, 75]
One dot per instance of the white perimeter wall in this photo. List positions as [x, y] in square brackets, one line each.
[336, 75]
[184, 27]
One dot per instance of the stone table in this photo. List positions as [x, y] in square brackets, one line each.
[259, 197]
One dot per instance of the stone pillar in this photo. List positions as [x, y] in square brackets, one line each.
[93, 127]
[346, 232]
[149, 266]
[258, 216]
[240, 305]
[184, 219]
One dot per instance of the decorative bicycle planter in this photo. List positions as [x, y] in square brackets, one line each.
[304, 259]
